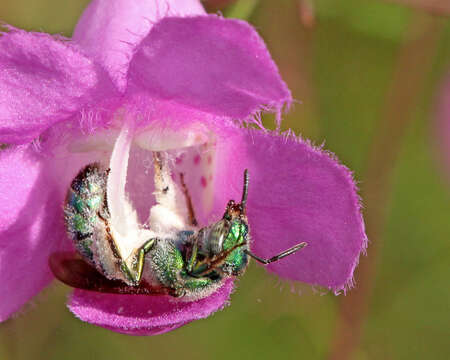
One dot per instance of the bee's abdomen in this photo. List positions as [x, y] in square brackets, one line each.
[85, 203]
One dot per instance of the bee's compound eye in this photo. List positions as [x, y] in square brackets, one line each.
[217, 235]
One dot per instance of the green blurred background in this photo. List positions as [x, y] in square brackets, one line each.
[367, 73]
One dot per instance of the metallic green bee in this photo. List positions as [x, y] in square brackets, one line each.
[189, 263]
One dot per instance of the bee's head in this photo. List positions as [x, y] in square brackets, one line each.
[223, 243]
[234, 210]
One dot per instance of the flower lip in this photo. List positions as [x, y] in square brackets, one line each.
[144, 315]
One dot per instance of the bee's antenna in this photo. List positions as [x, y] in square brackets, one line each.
[245, 191]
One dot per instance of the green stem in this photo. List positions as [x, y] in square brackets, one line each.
[435, 7]
[413, 65]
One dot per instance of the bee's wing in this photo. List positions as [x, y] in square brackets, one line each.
[72, 270]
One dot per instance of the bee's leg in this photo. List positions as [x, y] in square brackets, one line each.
[119, 260]
[213, 263]
[285, 253]
[191, 284]
[139, 262]
[131, 269]
[136, 260]
[193, 256]
[191, 213]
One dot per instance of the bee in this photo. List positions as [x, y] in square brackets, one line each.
[188, 262]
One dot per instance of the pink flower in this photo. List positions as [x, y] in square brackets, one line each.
[167, 77]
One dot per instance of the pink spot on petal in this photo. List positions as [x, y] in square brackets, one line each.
[210, 177]
[180, 158]
[197, 159]
[209, 159]
[203, 182]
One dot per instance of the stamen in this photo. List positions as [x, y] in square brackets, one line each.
[126, 231]
[169, 213]
[118, 165]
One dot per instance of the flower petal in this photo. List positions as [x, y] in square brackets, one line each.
[216, 65]
[29, 225]
[109, 31]
[141, 314]
[33, 185]
[297, 193]
[42, 81]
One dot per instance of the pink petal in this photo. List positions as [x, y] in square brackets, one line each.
[212, 64]
[109, 30]
[30, 227]
[297, 193]
[33, 186]
[141, 314]
[42, 81]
